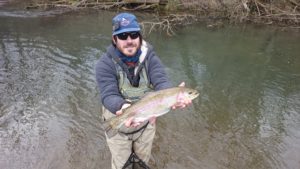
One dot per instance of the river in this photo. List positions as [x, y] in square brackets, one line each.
[247, 115]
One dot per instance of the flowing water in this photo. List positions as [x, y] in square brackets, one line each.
[247, 116]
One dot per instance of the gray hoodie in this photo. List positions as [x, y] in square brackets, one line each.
[107, 78]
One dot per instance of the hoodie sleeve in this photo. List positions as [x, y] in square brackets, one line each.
[106, 77]
[156, 73]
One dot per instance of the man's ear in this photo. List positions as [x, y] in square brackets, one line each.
[114, 39]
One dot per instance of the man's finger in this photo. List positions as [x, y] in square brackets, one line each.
[136, 124]
[152, 120]
[182, 84]
[119, 112]
[128, 122]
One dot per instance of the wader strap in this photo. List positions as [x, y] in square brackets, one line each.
[133, 132]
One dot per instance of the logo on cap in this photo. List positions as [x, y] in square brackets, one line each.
[124, 22]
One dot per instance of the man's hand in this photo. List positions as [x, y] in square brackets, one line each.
[152, 120]
[129, 122]
[124, 106]
[181, 101]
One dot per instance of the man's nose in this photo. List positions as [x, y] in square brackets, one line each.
[129, 38]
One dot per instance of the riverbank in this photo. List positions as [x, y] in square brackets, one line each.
[284, 13]
[246, 117]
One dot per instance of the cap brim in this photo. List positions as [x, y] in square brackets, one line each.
[126, 30]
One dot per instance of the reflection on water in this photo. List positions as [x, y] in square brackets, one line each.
[247, 115]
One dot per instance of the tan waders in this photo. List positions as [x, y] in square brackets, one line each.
[122, 145]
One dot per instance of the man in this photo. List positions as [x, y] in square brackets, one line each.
[126, 72]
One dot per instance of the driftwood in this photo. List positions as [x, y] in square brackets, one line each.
[97, 4]
[267, 12]
[168, 23]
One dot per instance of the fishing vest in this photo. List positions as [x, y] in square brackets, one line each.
[128, 91]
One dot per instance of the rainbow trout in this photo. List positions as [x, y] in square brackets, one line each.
[152, 104]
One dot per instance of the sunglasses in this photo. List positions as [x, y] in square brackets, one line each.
[124, 36]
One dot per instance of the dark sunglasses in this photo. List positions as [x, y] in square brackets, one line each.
[124, 36]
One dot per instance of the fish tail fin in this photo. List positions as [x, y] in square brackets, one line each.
[109, 130]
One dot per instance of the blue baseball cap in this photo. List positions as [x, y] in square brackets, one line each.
[125, 22]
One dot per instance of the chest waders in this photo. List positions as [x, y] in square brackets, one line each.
[133, 94]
